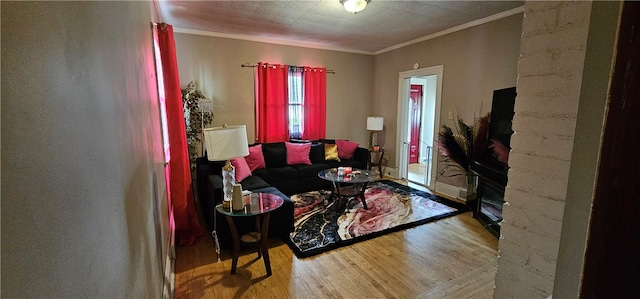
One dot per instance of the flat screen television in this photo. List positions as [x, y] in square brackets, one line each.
[502, 111]
[502, 115]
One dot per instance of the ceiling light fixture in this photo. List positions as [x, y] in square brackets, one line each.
[354, 6]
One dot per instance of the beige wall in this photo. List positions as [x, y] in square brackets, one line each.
[84, 206]
[476, 62]
[214, 63]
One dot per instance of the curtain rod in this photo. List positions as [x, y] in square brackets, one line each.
[254, 65]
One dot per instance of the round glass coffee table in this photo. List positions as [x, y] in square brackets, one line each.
[352, 184]
[257, 205]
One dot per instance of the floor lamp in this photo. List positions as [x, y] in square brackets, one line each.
[206, 107]
[223, 144]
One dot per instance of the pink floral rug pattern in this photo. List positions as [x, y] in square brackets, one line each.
[320, 227]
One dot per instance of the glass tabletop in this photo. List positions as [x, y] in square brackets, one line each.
[254, 204]
[356, 176]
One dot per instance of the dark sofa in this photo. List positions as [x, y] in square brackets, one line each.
[277, 177]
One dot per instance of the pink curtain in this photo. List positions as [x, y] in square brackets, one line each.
[180, 188]
[315, 103]
[271, 103]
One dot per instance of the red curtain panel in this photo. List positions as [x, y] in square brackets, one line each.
[315, 103]
[180, 188]
[271, 103]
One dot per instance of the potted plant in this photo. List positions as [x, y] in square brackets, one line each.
[198, 113]
[463, 146]
[468, 144]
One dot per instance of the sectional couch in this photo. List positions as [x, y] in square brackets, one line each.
[285, 170]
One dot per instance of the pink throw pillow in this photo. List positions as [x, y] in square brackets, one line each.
[242, 169]
[298, 153]
[255, 159]
[346, 149]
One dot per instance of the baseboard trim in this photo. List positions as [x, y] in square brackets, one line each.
[169, 285]
[391, 172]
[169, 278]
[449, 190]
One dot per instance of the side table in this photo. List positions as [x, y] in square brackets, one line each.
[376, 159]
[257, 205]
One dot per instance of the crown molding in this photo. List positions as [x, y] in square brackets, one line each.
[268, 40]
[283, 42]
[488, 19]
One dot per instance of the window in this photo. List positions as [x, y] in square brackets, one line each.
[296, 105]
[290, 103]
[161, 96]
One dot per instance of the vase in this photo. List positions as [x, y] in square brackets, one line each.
[238, 201]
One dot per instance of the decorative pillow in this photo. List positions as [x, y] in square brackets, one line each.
[275, 154]
[255, 159]
[346, 149]
[316, 154]
[242, 169]
[331, 152]
[298, 153]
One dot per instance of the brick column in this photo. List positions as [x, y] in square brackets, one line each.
[552, 53]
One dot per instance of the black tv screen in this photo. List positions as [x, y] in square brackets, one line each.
[501, 115]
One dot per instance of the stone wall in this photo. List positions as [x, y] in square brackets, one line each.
[550, 67]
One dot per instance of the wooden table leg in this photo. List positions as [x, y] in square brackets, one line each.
[236, 244]
[263, 242]
[260, 231]
[333, 191]
[361, 194]
[339, 199]
[380, 164]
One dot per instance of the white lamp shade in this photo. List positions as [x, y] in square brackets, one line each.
[375, 123]
[226, 143]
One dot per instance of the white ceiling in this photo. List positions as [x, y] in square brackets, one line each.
[324, 24]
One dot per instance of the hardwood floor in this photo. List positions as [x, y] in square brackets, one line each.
[418, 173]
[450, 258]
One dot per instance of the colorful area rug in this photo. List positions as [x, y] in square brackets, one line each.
[320, 227]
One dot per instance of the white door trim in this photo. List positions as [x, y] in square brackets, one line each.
[402, 142]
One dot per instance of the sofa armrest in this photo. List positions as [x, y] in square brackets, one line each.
[203, 170]
[362, 155]
[214, 183]
[213, 196]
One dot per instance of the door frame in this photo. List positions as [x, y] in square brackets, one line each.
[402, 142]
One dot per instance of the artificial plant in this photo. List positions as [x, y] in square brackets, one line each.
[469, 143]
[197, 115]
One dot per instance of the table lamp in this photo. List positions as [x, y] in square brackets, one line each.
[223, 144]
[375, 124]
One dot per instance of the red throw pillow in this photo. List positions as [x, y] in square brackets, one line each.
[298, 153]
[346, 149]
[242, 169]
[255, 159]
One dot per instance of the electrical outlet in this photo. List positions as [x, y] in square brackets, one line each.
[450, 115]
